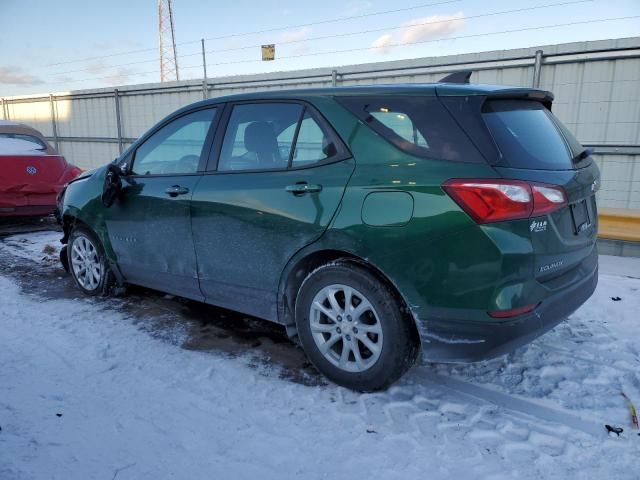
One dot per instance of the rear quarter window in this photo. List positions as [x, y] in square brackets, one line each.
[529, 136]
[418, 125]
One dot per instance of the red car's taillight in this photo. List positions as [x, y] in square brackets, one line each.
[496, 200]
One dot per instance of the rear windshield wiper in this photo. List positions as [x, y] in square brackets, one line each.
[584, 153]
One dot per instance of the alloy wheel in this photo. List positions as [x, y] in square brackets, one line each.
[346, 328]
[85, 262]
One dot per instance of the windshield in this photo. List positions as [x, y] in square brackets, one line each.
[529, 136]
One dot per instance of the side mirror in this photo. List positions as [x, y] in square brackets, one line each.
[123, 166]
[112, 185]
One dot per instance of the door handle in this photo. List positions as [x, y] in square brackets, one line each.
[301, 188]
[176, 190]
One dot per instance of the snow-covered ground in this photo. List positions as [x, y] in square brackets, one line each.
[88, 390]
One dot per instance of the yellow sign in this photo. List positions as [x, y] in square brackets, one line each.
[268, 52]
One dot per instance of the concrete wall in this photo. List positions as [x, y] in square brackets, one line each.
[596, 84]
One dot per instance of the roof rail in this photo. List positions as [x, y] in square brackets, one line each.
[462, 76]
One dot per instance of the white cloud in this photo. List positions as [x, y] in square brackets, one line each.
[97, 67]
[120, 77]
[382, 44]
[294, 35]
[356, 7]
[434, 26]
[419, 30]
[16, 76]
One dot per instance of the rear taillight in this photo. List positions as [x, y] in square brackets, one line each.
[497, 200]
[547, 198]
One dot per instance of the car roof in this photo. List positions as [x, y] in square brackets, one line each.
[442, 89]
[431, 89]
[8, 125]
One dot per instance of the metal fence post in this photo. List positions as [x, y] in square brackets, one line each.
[5, 109]
[54, 126]
[537, 68]
[205, 88]
[334, 78]
[116, 98]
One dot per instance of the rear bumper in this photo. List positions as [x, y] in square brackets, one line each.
[26, 211]
[23, 205]
[448, 338]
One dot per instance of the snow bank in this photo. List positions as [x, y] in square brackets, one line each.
[86, 393]
[36, 246]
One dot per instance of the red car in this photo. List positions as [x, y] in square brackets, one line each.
[32, 173]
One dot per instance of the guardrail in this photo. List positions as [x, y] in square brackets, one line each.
[619, 224]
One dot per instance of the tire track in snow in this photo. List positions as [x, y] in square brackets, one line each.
[519, 405]
[597, 360]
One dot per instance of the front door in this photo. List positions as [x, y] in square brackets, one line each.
[149, 226]
[280, 177]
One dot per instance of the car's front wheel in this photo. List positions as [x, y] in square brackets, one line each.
[88, 263]
[352, 327]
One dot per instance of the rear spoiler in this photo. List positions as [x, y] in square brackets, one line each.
[542, 96]
[464, 76]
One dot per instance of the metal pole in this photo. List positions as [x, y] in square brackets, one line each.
[5, 109]
[334, 78]
[173, 40]
[52, 109]
[116, 98]
[205, 88]
[537, 68]
[2, 104]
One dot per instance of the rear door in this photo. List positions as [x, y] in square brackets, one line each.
[280, 177]
[149, 227]
[535, 146]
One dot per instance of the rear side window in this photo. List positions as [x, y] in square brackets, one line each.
[418, 125]
[259, 136]
[312, 144]
[529, 136]
[274, 136]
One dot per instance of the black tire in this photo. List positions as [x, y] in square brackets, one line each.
[399, 347]
[106, 281]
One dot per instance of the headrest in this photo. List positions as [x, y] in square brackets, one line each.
[259, 136]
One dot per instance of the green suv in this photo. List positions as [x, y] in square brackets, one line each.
[375, 223]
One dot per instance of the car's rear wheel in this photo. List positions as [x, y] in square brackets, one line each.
[352, 327]
[88, 263]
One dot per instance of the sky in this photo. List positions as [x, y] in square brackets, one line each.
[53, 46]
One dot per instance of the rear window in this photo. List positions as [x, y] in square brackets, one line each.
[529, 136]
[20, 144]
[418, 125]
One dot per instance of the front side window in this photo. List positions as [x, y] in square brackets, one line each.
[176, 147]
[418, 125]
